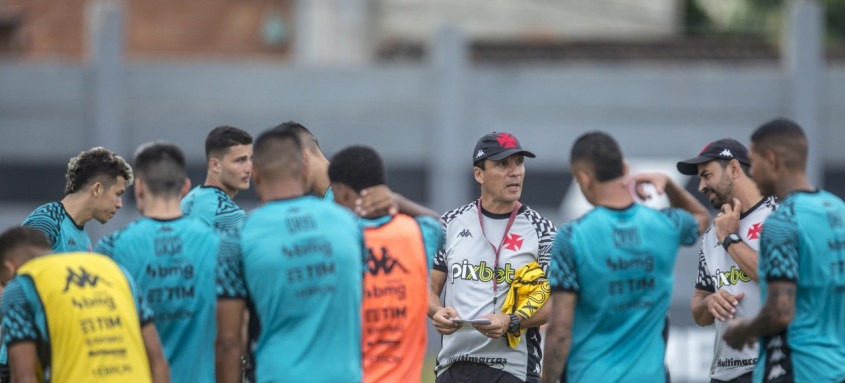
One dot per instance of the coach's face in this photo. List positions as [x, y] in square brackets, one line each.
[763, 169]
[501, 181]
[715, 183]
[109, 199]
[236, 167]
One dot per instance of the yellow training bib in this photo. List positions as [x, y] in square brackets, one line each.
[92, 319]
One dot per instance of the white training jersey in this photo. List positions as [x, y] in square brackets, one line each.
[469, 261]
[717, 270]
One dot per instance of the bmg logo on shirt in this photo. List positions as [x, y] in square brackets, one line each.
[481, 272]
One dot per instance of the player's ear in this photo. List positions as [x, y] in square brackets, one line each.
[772, 158]
[256, 176]
[186, 187]
[343, 194]
[97, 188]
[625, 167]
[11, 267]
[582, 177]
[139, 189]
[214, 164]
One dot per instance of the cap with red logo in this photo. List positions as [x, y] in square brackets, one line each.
[498, 146]
[724, 149]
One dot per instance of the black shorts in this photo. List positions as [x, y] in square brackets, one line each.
[465, 372]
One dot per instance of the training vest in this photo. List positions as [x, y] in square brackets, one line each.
[92, 319]
[395, 302]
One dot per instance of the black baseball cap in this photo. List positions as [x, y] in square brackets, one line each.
[498, 146]
[724, 149]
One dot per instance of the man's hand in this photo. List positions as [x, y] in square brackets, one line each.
[727, 220]
[722, 305]
[442, 321]
[376, 201]
[735, 335]
[497, 328]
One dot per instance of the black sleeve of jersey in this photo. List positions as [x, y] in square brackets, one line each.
[545, 238]
[704, 281]
[445, 219]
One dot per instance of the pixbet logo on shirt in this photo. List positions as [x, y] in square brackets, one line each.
[481, 272]
[729, 278]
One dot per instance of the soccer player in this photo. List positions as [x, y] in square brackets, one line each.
[611, 272]
[173, 259]
[96, 181]
[75, 317]
[303, 261]
[487, 241]
[373, 202]
[228, 151]
[802, 267]
[727, 287]
[400, 250]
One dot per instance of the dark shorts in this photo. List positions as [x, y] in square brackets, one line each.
[463, 372]
[745, 378]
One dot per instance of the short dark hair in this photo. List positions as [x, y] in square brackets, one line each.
[358, 167]
[221, 138]
[97, 163]
[745, 168]
[603, 154]
[308, 139]
[17, 236]
[162, 167]
[279, 150]
[786, 138]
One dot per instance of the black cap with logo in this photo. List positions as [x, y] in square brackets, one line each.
[724, 149]
[498, 146]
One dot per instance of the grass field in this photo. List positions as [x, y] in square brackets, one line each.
[428, 369]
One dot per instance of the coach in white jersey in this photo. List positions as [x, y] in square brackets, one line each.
[727, 287]
[487, 240]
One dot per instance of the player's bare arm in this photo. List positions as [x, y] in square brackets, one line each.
[159, 369]
[774, 317]
[229, 339]
[440, 315]
[678, 196]
[22, 362]
[727, 222]
[380, 200]
[558, 335]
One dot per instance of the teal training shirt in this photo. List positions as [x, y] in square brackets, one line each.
[303, 264]
[54, 221]
[175, 262]
[803, 242]
[620, 263]
[213, 206]
[329, 196]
